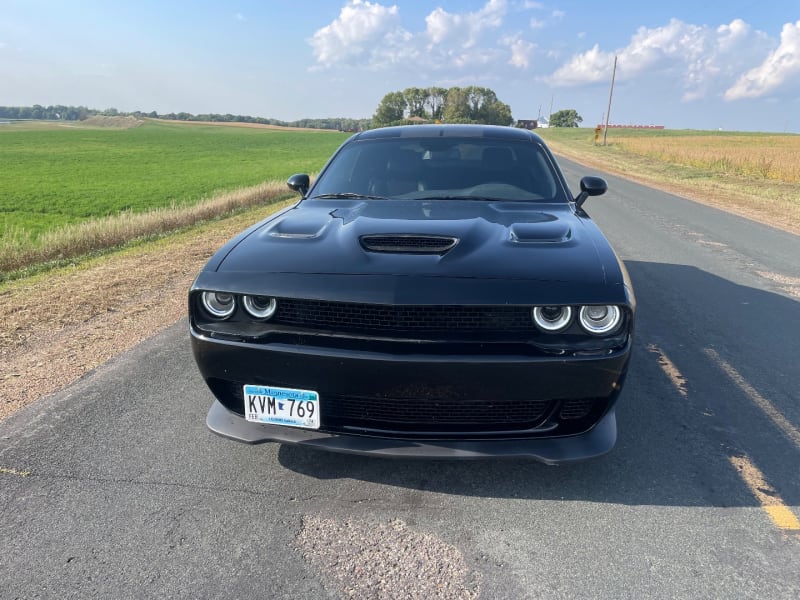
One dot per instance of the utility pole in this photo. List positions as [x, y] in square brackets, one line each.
[610, 94]
[550, 116]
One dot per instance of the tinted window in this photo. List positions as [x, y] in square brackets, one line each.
[443, 168]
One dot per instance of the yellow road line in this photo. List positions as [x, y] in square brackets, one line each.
[7, 471]
[770, 500]
[767, 407]
[670, 370]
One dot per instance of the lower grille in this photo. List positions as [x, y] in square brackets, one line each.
[577, 409]
[415, 417]
[439, 415]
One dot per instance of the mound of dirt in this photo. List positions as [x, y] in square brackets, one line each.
[115, 122]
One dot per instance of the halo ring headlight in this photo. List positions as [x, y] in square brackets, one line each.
[600, 320]
[260, 307]
[219, 305]
[552, 318]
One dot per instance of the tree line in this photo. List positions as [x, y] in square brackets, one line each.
[434, 104]
[454, 105]
[78, 113]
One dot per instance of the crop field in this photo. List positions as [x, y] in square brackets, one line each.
[58, 175]
[754, 174]
[755, 155]
[774, 157]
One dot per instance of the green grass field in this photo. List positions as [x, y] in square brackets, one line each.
[58, 175]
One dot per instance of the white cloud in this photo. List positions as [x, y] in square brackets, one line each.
[703, 60]
[778, 68]
[730, 35]
[369, 35]
[536, 24]
[362, 30]
[590, 67]
[520, 49]
[442, 26]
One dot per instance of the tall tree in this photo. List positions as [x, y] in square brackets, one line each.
[565, 118]
[415, 100]
[435, 101]
[391, 109]
[456, 107]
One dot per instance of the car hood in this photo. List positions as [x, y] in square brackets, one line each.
[490, 240]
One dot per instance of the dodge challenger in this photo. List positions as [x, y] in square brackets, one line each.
[437, 291]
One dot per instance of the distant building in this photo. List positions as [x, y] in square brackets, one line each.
[528, 123]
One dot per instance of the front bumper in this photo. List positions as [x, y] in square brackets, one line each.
[355, 385]
[597, 441]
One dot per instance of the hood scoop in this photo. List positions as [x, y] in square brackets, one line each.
[403, 243]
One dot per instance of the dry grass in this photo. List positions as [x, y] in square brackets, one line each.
[114, 122]
[774, 157]
[767, 193]
[17, 252]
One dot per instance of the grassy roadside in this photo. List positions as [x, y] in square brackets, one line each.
[57, 326]
[54, 248]
[768, 200]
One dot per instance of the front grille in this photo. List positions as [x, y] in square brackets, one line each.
[345, 316]
[441, 415]
[414, 244]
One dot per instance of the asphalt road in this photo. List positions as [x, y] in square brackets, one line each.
[114, 488]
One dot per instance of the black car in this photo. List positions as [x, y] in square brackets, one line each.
[437, 292]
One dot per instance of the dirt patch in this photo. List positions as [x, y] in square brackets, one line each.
[113, 122]
[385, 560]
[58, 327]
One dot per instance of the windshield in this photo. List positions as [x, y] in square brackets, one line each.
[441, 168]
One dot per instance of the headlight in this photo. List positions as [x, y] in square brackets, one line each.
[552, 318]
[260, 307]
[218, 304]
[600, 320]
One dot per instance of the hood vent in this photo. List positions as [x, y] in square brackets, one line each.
[402, 243]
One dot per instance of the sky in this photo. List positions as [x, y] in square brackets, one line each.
[700, 64]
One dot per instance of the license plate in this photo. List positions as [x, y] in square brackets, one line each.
[281, 406]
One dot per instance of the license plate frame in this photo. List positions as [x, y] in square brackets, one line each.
[274, 405]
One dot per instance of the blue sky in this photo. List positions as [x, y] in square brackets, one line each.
[699, 64]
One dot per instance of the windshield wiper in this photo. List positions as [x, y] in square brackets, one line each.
[348, 196]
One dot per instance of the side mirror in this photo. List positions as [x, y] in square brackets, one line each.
[591, 186]
[299, 183]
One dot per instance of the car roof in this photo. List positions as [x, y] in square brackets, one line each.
[497, 132]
